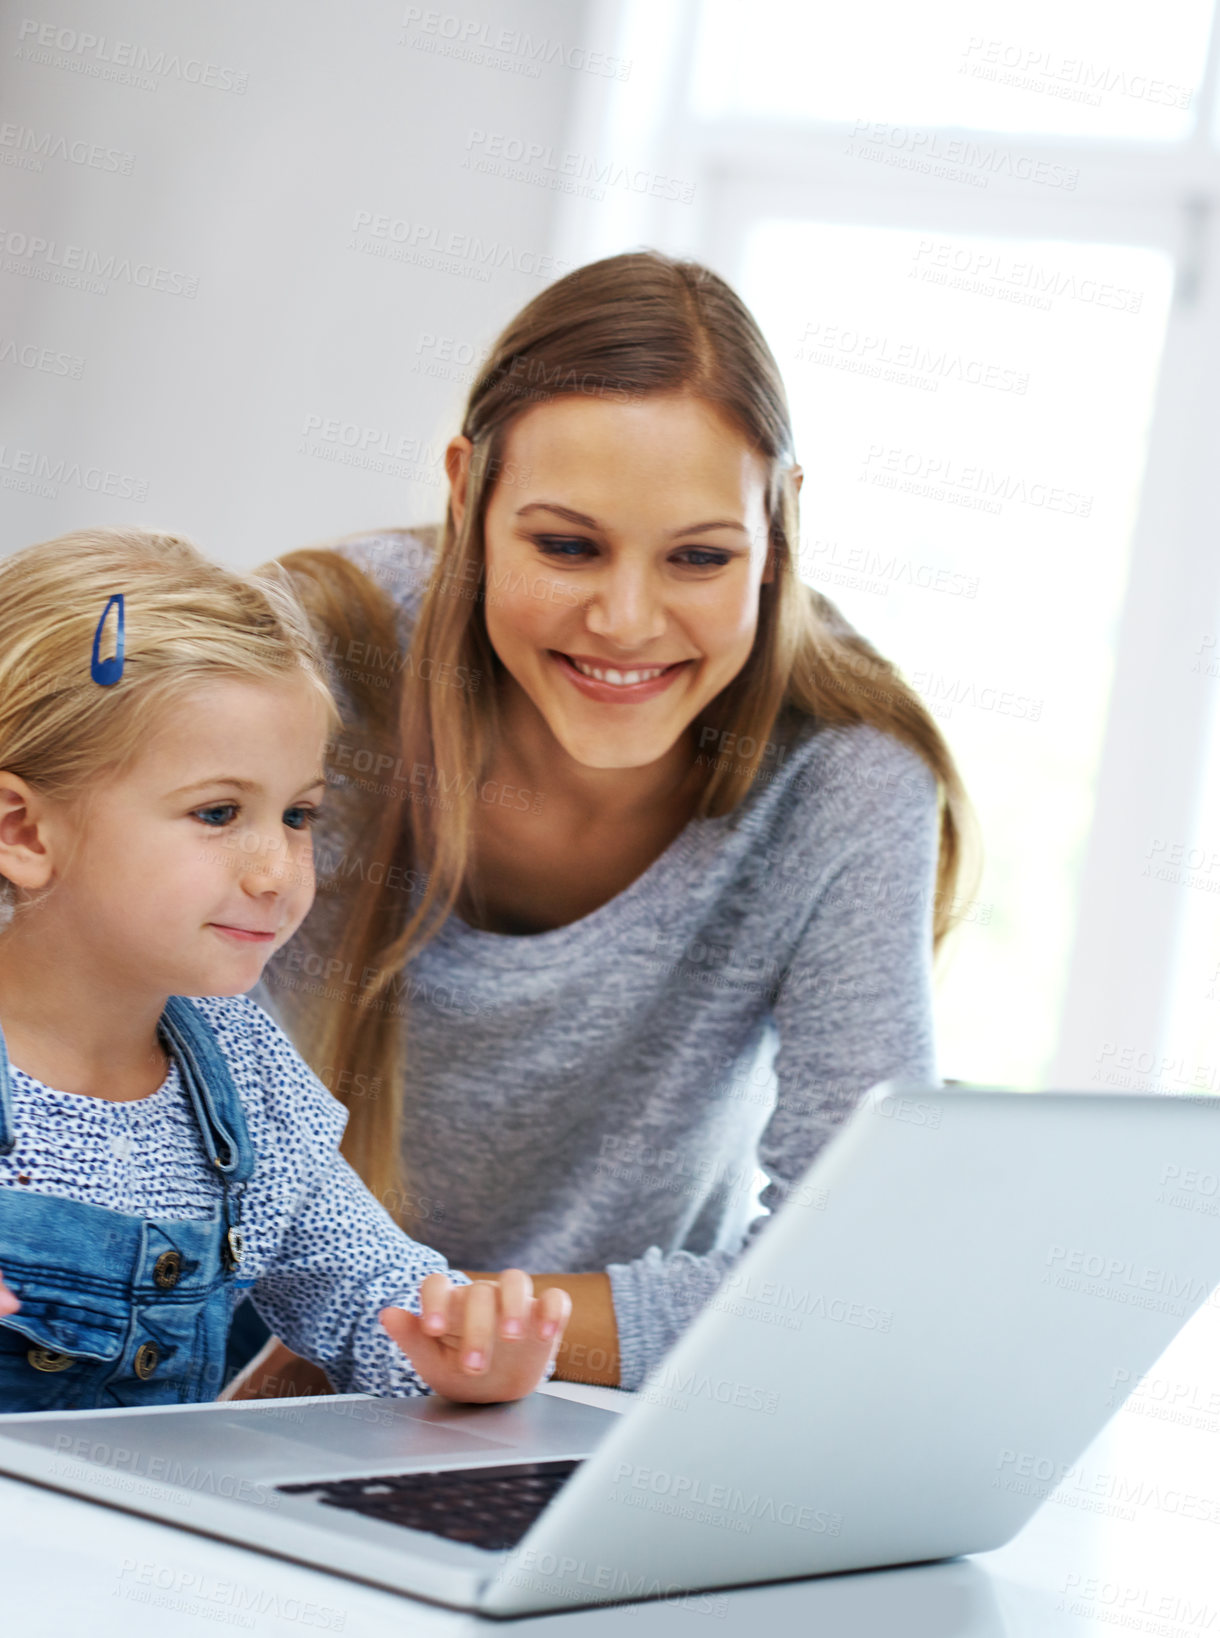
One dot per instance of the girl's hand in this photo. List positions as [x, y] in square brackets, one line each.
[489, 1341]
[8, 1303]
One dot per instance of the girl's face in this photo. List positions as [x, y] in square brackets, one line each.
[625, 546]
[186, 873]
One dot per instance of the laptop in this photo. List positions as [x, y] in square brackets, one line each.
[962, 1289]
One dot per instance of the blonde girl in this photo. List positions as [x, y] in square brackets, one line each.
[163, 1149]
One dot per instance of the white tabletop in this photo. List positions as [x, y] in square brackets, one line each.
[1129, 1541]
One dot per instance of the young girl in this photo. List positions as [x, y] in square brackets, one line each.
[163, 1149]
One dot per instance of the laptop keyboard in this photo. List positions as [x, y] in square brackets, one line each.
[489, 1507]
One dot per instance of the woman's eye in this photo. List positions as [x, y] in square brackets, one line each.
[308, 816]
[701, 557]
[573, 547]
[220, 807]
[563, 546]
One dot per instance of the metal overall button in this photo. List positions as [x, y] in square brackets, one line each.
[47, 1359]
[148, 1357]
[167, 1270]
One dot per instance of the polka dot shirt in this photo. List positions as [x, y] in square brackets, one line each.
[322, 1256]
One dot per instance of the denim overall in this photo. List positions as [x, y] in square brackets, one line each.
[118, 1310]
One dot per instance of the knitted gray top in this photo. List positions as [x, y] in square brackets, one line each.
[601, 1096]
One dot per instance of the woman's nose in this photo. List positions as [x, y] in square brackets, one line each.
[626, 610]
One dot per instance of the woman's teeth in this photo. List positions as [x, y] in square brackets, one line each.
[618, 679]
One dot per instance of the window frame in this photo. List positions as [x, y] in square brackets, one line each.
[1165, 195]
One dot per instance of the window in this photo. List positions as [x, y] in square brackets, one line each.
[1040, 66]
[978, 238]
[973, 415]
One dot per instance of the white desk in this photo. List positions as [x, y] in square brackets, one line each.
[1129, 1542]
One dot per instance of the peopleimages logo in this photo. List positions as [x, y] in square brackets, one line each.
[84, 267]
[1077, 79]
[231, 1603]
[135, 1463]
[776, 1302]
[33, 471]
[990, 272]
[101, 57]
[1119, 1279]
[942, 477]
[913, 362]
[954, 158]
[723, 1505]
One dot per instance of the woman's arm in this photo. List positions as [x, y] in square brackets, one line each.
[589, 1350]
[852, 1006]
[276, 1372]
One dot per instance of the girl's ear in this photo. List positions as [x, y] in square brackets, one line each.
[457, 470]
[25, 858]
[798, 478]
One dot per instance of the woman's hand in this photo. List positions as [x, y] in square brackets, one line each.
[8, 1303]
[485, 1342]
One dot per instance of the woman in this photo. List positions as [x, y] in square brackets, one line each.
[645, 844]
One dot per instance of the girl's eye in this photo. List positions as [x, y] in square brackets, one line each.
[220, 807]
[309, 816]
[563, 546]
[221, 814]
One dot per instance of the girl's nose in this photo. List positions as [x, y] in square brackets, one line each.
[266, 866]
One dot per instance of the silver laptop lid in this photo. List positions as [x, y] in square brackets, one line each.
[953, 1289]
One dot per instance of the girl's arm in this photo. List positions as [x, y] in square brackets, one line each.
[334, 1276]
[385, 1315]
[588, 1352]
[338, 1260]
[435, 1349]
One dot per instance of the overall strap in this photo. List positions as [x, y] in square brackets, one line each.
[8, 1136]
[222, 1123]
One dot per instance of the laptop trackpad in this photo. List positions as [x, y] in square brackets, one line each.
[360, 1432]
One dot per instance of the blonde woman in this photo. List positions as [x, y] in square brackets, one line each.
[638, 852]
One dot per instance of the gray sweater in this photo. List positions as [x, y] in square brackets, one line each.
[602, 1096]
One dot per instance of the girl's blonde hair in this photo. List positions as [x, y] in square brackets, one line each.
[187, 621]
[625, 327]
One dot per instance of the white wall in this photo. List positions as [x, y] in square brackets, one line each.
[197, 406]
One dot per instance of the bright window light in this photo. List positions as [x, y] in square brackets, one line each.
[1091, 68]
[972, 415]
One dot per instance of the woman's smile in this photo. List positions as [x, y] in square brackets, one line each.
[616, 685]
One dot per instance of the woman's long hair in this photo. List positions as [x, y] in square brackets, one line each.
[626, 327]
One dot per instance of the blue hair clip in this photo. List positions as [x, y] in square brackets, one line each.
[108, 671]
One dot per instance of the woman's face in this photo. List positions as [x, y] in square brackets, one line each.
[625, 545]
